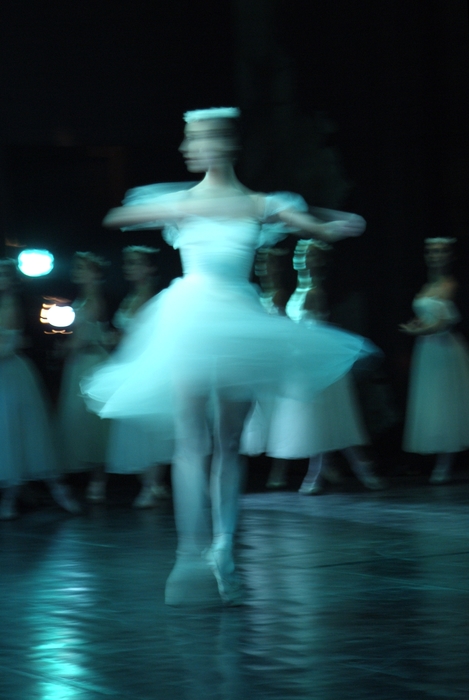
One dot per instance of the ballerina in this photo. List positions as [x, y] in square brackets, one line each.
[204, 348]
[83, 436]
[132, 448]
[437, 415]
[332, 421]
[25, 433]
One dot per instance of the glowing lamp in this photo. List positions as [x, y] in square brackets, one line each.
[35, 263]
[60, 316]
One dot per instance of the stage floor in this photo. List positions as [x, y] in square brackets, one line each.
[348, 596]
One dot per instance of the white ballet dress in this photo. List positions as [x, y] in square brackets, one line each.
[209, 332]
[134, 445]
[437, 415]
[82, 436]
[26, 438]
[296, 429]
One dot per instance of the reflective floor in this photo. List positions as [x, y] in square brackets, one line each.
[348, 595]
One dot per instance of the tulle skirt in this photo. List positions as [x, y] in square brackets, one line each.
[204, 334]
[83, 436]
[26, 442]
[437, 416]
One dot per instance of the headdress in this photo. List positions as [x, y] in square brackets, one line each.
[197, 115]
[94, 259]
[143, 249]
[442, 240]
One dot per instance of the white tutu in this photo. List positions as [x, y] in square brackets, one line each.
[27, 449]
[209, 331]
[437, 416]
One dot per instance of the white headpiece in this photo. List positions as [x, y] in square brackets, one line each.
[198, 115]
[443, 241]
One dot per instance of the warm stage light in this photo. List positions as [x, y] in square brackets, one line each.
[35, 263]
[60, 316]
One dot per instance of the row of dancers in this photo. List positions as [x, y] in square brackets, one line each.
[200, 354]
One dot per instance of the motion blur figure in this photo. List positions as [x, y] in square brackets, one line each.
[437, 416]
[269, 268]
[332, 421]
[83, 436]
[27, 447]
[137, 447]
[204, 348]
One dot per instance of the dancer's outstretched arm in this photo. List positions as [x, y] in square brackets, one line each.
[344, 226]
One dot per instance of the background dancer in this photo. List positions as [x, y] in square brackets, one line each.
[83, 436]
[437, 415]
[133, 447]
[26, 439]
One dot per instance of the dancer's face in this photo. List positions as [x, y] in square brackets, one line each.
[84, 273]
[208, 143]
[438, 255]
[136, 268]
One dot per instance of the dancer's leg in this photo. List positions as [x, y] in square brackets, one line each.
[278, 474]
[8, 503]
[61, 494]
[363, 468]
[226, 480]
[190, 581]
[313, 482]
[441, 473]
[153, 487]
[96, 491]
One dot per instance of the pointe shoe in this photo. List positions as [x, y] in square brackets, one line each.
[191, 583]
[369, 479]
[220, 561]
[312, 488]
[96, 491]
[62, 496]
[150, 495]
[8, 511]
[441, 474]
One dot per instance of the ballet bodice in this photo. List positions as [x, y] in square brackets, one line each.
[221, 248]
[432, 309]
[88, 332]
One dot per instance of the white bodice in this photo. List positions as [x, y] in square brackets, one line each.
[432, 309]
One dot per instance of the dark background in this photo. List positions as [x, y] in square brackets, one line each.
[360, 105]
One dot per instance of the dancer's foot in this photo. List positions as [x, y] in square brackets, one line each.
[332, 474]
[191, 582]
[150, 495]
[277, 478]
[220, 560]
[8, 511]
[441, 474]
[312, 488]
[62, 496]
[8, 503]
[366, 475]
[96, 491]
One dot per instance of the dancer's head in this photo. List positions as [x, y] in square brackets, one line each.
[88, 268]
[211, 138]
[8, 274]
[439, 253]
[139, 263]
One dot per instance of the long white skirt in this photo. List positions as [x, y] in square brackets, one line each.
[83, 436]
[437, 416]
[26, 438]
[135, 445]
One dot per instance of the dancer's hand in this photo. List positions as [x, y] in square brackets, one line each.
[351, 226]
[413, 327]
